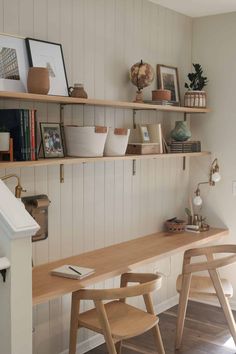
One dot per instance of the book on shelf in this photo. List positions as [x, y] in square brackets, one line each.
[21, 124]
[185, 146]
[72, 271]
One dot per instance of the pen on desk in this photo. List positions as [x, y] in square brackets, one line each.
[76, 271]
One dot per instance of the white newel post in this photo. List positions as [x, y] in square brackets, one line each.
[16, 229]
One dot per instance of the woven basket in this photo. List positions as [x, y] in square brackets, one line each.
[175, 227]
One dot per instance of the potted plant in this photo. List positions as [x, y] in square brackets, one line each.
[195, 96]
[4, 139]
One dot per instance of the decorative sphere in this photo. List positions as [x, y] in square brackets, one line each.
[197, 200]
[141, 75]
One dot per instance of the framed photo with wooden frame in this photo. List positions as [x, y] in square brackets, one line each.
[168, 79]
[51, 140]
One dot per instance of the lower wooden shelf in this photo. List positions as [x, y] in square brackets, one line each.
[80, 160]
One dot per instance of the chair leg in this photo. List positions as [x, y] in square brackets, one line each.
[158, 340]
[74, 324]
[224, 303]
[156, 330]
[105, 327]
[183, 301]
[118, 347]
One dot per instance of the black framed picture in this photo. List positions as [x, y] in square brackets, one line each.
[51, 138]
[168, 79]
[49, 55]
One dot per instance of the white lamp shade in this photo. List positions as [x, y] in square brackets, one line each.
[197, 200]
[216, 177]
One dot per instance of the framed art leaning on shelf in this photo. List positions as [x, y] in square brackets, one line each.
[49, 55]
[168, 79]
[13, 64]
[51, 139]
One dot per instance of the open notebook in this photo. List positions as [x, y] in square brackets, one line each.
[72, 271]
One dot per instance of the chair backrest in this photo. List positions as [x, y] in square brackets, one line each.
[147, 284]
[211, 262]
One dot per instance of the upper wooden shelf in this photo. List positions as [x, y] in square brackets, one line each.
[95, 102]
[80, 160]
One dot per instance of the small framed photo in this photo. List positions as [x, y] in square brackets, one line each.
[14, 64]
[144, 134]
[49, 55]
[168, 79]
[51, 138]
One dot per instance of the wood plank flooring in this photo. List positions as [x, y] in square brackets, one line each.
[205, 332]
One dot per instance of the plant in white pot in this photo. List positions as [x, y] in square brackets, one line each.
[4, 139]
[195, 96]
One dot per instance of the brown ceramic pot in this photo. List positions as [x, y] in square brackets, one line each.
[161, 95]
[38, 80]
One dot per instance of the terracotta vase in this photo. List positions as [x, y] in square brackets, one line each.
[38, 80]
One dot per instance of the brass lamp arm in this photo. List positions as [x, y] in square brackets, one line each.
[18, 188]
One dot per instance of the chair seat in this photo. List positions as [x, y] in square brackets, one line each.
[125, 321]
[202, 287]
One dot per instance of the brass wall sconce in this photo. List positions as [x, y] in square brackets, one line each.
[214, 177]
[18, 188]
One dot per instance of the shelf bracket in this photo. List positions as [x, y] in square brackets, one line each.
[134, 118]
[184, 163]
[62, 177]
[134, 168]
[185, 116]
[62, 114]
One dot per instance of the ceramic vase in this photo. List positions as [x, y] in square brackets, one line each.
[181, 131]
[78, 91]
[38, 80]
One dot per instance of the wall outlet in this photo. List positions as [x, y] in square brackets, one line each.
[234, 188]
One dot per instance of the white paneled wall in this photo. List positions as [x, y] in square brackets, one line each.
[100, 204]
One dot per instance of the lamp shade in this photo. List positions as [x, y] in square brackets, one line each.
[197, 200]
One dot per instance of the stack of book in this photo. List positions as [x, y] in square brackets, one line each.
[21, 123]
[185, 146]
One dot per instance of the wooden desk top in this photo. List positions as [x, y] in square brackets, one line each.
[115, 260]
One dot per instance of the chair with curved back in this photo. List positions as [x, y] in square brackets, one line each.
[115, 319]
[201, 287]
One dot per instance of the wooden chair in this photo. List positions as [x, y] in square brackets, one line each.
[117, 320]
[199, 287]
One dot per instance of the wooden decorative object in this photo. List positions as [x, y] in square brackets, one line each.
[9, 152]
[143, 149]
[38, 80]
[161, 95]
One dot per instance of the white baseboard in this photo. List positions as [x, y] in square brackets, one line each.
[166, 305]
[98, 339]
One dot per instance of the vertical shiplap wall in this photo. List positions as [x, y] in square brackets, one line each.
[101, 204]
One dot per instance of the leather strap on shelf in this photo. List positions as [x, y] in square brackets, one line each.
[120, 131]
[99, 129]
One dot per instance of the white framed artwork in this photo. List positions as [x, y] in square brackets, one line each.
[14, 64]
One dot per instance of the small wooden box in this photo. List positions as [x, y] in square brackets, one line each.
[143, 149]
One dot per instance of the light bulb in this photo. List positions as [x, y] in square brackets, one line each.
[216, 177]
[197, 200]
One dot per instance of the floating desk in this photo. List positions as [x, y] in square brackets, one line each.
[114, 260]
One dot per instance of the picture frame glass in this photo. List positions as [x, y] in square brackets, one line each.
[51, 138]
[14, 64]
[49, 55]
[167, 78]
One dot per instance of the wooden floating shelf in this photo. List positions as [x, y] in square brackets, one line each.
[95, 102]
[80, 160]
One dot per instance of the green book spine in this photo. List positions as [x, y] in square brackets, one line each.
[27, 135]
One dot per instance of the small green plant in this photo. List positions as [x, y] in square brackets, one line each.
[197, 80]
